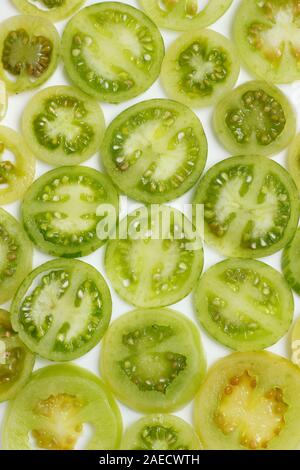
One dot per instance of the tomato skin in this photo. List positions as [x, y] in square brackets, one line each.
[34, 27]
[91, 123]
[209, 48]
[270, 371]
[8, 389]
[294, 161]
[17, 176]
[101, 86]
[182, 21]
[186, 341]
[263, 285]
[21, 259]
[104, 413]
[80, 272]
[131, 185]
[207, 191]
[54, 14]
[253, 147]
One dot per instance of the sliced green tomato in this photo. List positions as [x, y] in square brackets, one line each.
[290, 262]
[267, 34]
[251, 207]
[112, 51]
[62, 309]
[199, 68]
[15, 255]
[63, 407]
[255, 118]
[60, 210]
[160, 432]
[155, 151]
[244, 304]
[296, 344]
[63, 126]
[185, 15]
[16, 361]
[294, 160]
[156, 259]
[250, 401]
[17, 166]
[153, 360]
[29, 52]
[54, 10]
[3, 99]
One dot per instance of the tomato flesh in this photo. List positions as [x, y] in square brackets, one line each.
[244, 304]
[63, 407]
[62, 309]
[251, 207]
[155, 151]
[112, 51]
[153, 360]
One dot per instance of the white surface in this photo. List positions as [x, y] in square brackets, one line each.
[213, 350]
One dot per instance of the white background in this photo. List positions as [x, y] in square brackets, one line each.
[213, 350]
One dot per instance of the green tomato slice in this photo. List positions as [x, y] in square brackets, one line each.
[249, 401]
[295, 343]
[3, 100]
[155, 151]
[112, 51]
[15, 255]
[153, 360]
[17, 173]
[63, 126]
[255, 118]
[62, 309]
[251, 207]
[290, 261]
[199, 68]
[16, 361]
[63, 407]
[267, 34]
[54, 10]
[244, 304]
[294, 160]
[60, 210]
[160, 432]
[156, 259]
[185, 15]
[29, 52]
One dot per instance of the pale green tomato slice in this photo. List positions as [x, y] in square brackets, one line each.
[296, 344]
[54, 10]
[3, 99]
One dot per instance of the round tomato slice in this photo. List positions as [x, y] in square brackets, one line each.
[15, 255]
[3, 100]
[17, 173]
[294, 160]
[160, 432]
[60, 210]
[156, 259]
[255, 118]
[185, 15]
[16, 361]
[112, 51]
[244, 304]
[199, 68]
[267, 35]
[251, 207]
[54, 10]
[153, 360]
[63, 126]
[63, 407]
[62, 309]
[250, 401]
[295, 344]
[290, 261]
[29, 51]
[155, 151]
